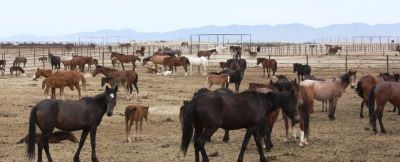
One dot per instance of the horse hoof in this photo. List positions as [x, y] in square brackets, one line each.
[76, 159]
[95, 159]
[361, 116]
[383, 131]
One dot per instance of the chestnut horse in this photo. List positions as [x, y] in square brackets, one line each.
[135, 113]
[156, 59]
[173, 62]
[55, 137]
[54, 82]
[207, 53]
[269, 64]
[379, 95]
[125, 59]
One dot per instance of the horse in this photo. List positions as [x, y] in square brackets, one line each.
[185, 44]
[135, 113]
[19, 60]
[113, 82]
[379, 95]
[81, 61]
[17, 70]
[43, 59]
[366, 82]
[208, 111]
[301, 70]
[3, 63]
[55, 61]
[85, 114]
[207, 53]
[55, 137]
[2, 70]
[172, 53]
[125, 59]
[312, 77]
[269, 64]
[334, 49]
[173, 62]
[236, 72]
[199, 61]
[222, 80]
[73, 76]
[397, 49]
[389, 77]
[223, 65]
[331, 90]
[54, 82]
[141, 51]
[156, 59]
[252, 54]
[128, 77]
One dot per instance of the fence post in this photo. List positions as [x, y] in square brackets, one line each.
[34, 57]
[346, 63]
[102, 60]
[307, 59]
[387, 63]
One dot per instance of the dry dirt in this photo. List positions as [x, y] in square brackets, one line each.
[348, 138]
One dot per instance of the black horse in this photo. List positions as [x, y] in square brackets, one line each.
[3, 63]
[301, 70]
[85, 114]
[55, 61]
[208, 111]
[172, 53]
[236, 71]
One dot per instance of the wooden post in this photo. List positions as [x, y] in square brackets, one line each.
[346, 63]
[34, 57]
[102, 60]
[387, 63]
[307, 59]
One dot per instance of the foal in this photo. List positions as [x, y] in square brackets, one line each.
[135, 113]
[17, 70]
[56, 82]
[55, 137]
[222, 80]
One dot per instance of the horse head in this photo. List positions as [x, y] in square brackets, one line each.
[111, 99]
[145, 60]
[96, 71]
[295, 66]
[353, 78]
[259, 60]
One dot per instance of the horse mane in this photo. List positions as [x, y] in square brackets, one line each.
[106, 68]
[345, 77]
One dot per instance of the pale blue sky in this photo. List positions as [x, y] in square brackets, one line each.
[57, 17]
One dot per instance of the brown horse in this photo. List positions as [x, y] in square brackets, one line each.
[252, 54]
[173, 62]
[19, 60]
[381, 94]
[73, 76]
[2, 70]
[54, 82]
[17, 70]
[67, 64]
[125, 59]
[56, 137]
[135, 113]
[222, 80]
[207, 53]
[141, 51]
[156, 59]
[43, 59]
[334, 49]
[331, 90]
[269, 64]
[185, 44]
[128, 77]
[223, 65]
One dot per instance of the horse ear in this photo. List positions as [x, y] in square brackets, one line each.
[107, 89]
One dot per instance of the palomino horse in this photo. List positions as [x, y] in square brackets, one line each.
[17, 70]
[128, 77]
[55, 61]
[156, 59]
[199, 61]
[173, 62]
[381, 94]
[207, 112]
[207, 53]
[269, 64]
[85, 114]
[301, 70]
[55, 137]
[331, 90]
[19, 60]
[333, 50]
[73, 76]
[135, 113]
[125, 59]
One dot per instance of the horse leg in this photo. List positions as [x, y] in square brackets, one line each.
[208, 132]
[140, 129]
[45, 143]
[332, 109]
[264, 71]
[40, 150]
[79, 90]
[198, 130]
[379, 113]
[361, 109]
[93, 143]
[285, 119]
[81, 142]
[122, 65]
[249, 133]
[226, 136]
[257, 139]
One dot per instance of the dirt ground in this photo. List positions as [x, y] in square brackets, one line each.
[348, 138]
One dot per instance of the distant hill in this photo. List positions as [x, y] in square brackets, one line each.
[285, 33]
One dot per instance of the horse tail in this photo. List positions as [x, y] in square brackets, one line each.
[135, 81]
[30, 151]
[187, 126]
[359, 90]
[83, 81]
[371, 105]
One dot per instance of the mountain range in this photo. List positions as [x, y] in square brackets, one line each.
[260, 33]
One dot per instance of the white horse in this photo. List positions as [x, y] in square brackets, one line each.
[203, 61]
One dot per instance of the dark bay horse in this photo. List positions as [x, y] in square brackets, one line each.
[379, 95]
[85, 114]
[207, 53]
[141, 51]
[17, 70]
[208, 111]
[173, 62]
[334, 49]
[126, 77]
[269, 64]
[19, 60]
[236, 72]
[55, 61]
[301, 70]
[3, 63]
[125, 59]
[156, 59]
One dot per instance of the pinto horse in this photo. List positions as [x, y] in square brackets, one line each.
[125, 59]
[85, 114]
[19, 60]
[381, 94]
[173, 62]
[207, 53]
[269, 64]
[208, 111]
[301, 70]
[331, 90]
[55, 61]
[128, 77]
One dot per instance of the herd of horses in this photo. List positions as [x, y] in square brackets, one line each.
[256, 109]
